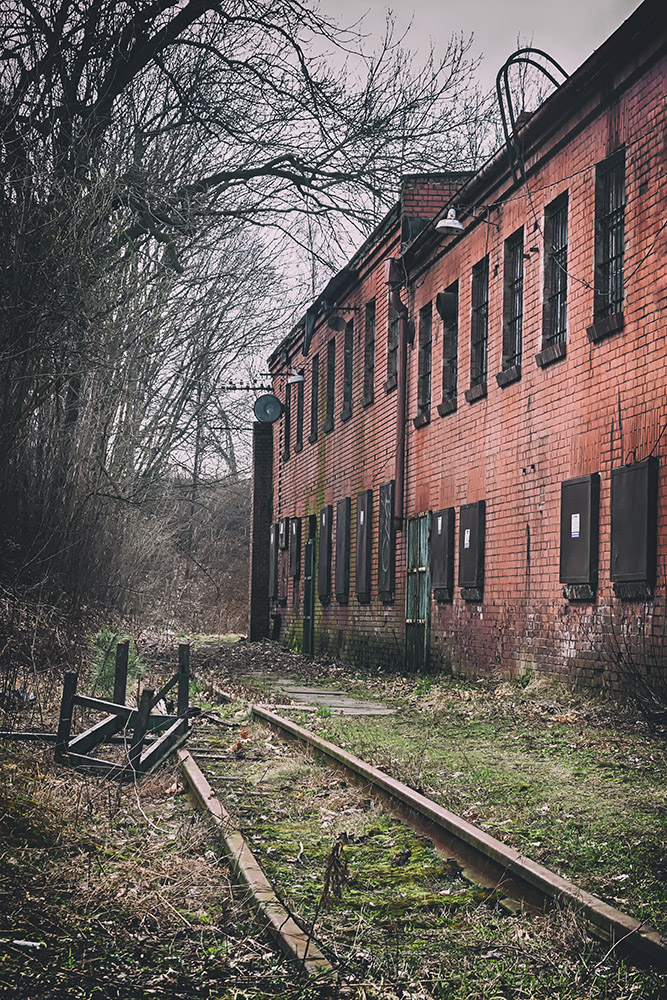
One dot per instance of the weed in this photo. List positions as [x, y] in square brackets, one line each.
[323, 712]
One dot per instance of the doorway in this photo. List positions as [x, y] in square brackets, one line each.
[309, 588]
[418, 601]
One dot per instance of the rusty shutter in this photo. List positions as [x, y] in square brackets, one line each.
[442, 554]
[324, 555]
[634, 515]
[472, 528]
[386, 544]
[364, 541]
[579, 511]
[343, 511]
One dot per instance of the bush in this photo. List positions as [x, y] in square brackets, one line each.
[103, 667]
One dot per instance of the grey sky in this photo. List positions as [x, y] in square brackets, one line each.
[569, 30]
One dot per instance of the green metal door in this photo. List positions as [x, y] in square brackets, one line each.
[309, 598]
[418, 603]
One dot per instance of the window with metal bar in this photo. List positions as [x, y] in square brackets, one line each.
[554, 314]
[479, 333]
[298, 444]
[369, 354]
[392, 346]
[287, 413]
[513, 300]
[609, 235]
[425, 358]
[347, 371]
[314, 397]
[331, 385]
[450, 347]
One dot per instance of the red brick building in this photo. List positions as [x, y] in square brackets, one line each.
[471, 471]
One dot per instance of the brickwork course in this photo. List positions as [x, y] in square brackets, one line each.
[577, 405]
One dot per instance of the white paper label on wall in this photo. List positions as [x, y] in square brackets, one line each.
[440, 525]
[361, 517]
[466, 538]
[574, 525]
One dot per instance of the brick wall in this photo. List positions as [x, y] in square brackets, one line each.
[590, 411]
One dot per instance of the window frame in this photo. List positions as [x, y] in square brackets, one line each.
[331, 386]
[300, 389]
[393, 320]
[287, 426]
[513, 305]
[554, 307]
[348, 370]
[369, 353]
[479, 329]
[314, 398]
[424, 365]
[450, 357]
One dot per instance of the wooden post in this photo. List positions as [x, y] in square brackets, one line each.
[141, 725]
[120, 677]
[183, 678]
[66, 711]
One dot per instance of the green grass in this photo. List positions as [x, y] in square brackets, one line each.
[585, 798]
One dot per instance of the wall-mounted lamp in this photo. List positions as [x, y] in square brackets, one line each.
[336, 322]
[293, 376]
[450, 224]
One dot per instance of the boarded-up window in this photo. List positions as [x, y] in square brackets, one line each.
[273, 562]
[442, 554]
[386, 543]
[364, 542]
[324, 555]
[295, 547]
[472, 528]
[579, 527]
[343, 511]
[634, 514]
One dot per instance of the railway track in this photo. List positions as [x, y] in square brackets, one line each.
[346, 865]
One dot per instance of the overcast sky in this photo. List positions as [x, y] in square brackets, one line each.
[569, 30]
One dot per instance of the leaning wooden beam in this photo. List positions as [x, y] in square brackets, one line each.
[66, 711]
[141, 724]
[96, 734]
[173, 737]
[165, 690]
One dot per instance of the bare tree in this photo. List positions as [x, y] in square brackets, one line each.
[156, 153]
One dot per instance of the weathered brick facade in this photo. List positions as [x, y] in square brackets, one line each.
[575, 402]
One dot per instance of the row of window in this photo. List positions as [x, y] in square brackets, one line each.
[608, 306]
[633, 501]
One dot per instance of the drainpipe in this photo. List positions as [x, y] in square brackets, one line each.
[394, 280]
